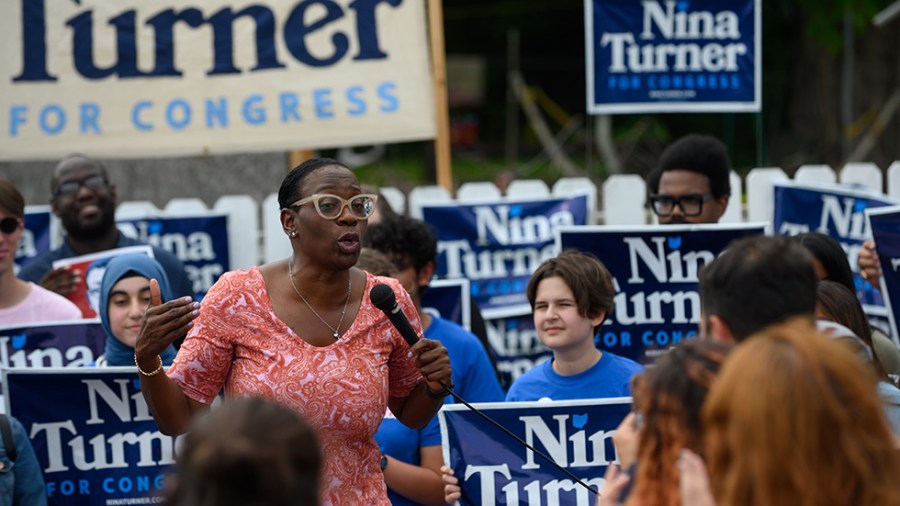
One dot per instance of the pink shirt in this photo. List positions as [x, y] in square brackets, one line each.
[39, 306]
[237, 343]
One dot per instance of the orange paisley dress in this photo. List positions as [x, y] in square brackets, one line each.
[238, 345]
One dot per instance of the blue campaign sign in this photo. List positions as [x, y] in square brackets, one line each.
[200, 242]
[654, 269]
[495, 469]
[673, 56]
[76, 343]
[498, 245]
[36, 239]
[516, 346]
[450, 300]
[836, 210]
[93, 434]
[884, 223]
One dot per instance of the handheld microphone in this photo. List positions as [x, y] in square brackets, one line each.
[382, 296]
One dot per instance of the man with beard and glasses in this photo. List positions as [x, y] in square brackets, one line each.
[690, 184]
[85, 202]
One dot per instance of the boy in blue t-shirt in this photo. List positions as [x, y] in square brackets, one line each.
[571, 295]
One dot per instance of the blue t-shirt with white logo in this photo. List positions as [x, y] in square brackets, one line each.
[609, 377]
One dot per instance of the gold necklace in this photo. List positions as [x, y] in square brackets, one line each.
[334, 331]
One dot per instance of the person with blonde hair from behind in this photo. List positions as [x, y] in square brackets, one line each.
[248, 452]
[793, 418]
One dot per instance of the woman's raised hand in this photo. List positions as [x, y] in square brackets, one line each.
[162, 324]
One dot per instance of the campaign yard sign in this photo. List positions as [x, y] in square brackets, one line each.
[497, 245]
[449, 299]
[36, 240]
[76, 343]
[836, 210]
[673, 56]
[495, 469]
[94, 436]
[884, 223]
[130, 78]
[654, 270]
[516, 346]
[91, 268]
[200, 242]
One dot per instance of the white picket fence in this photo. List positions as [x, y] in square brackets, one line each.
[255, 234]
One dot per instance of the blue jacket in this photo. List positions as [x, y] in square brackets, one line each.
[21, 482]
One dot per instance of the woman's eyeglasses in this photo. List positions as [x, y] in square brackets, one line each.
[331, 206]
[9, 225]
[691, 204]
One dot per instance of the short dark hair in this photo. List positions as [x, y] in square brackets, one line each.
[375, 262]
[408, 242]
[759, 281]
[587, 277]
[248, 451]
[292, 184]
[831, 255]
[11, 200]
[839, 304]
[702, 154]
[76, 158]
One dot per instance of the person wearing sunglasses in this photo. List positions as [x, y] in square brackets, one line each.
[691, 182]
[85, 202]
[22, 302]
[303, 332]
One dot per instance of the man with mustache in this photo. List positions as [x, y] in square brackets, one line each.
[690, 184]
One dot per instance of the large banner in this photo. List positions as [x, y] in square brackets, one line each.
[129, 78]
[498, 245]
[200, 242]
[673, 56]
[836, 210]
[495, 469]
[654, 269]
[884, 224]
[94, 436]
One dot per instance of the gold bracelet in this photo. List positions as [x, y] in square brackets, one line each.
[153, 373]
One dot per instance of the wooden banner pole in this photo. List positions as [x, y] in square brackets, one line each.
[442, 116]
[298, 156]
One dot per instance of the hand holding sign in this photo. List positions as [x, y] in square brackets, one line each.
[614, 482]
[694, 480]
[62, 281]
[868, 263]
[452, 491]
[162, 324]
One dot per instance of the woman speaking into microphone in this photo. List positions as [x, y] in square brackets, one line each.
[303, 332]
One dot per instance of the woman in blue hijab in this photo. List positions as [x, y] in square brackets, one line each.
[124, 296]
